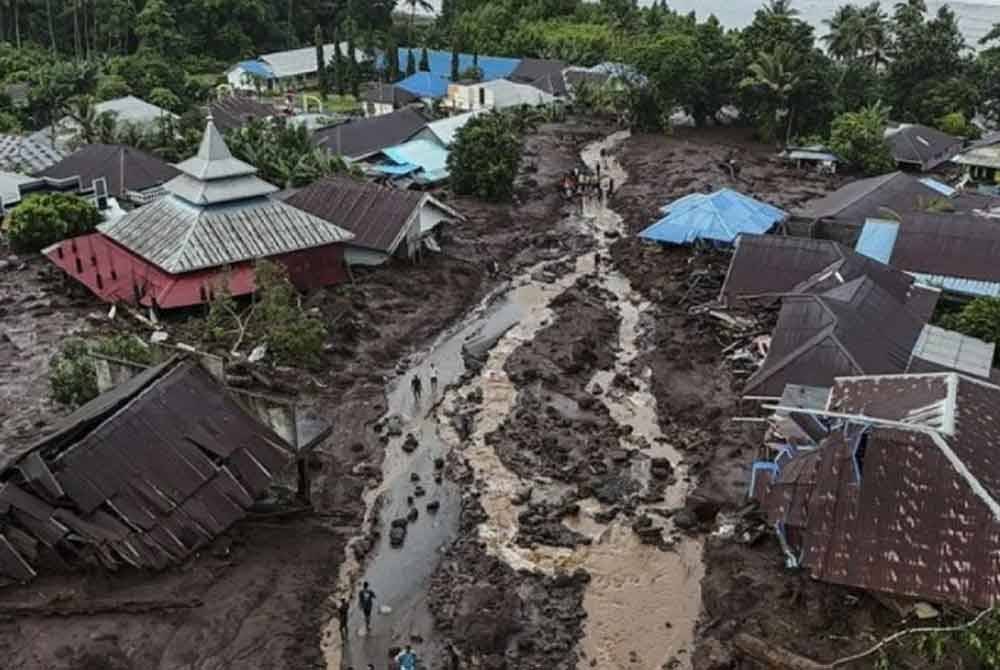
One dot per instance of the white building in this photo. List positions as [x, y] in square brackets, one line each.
[284, 69]
[497, 94]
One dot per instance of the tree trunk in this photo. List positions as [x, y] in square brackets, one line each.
[76, 29]
[413, 17]
[52, 24]
[290, 9]
[17, 23]
[772, 656]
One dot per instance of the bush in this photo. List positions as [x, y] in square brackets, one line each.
[45, 219]
[859, 138]
[957, 125]
[72, 372]
[980, 319]
[485, 157]
[293, 337]
[110, 87]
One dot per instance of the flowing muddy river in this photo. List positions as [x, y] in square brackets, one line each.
[642, 601]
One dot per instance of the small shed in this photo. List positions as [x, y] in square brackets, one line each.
[716, 217]
[816, 156]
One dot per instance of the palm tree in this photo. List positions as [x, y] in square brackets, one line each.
[844, 39]
[780, 9]
[876, 31]
[414, 4]
[777, 74]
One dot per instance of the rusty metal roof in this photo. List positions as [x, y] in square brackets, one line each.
[904, 499]
[141, 476]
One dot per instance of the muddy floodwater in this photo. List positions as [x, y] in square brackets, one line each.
[642, 600]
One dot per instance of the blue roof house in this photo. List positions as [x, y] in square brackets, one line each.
[716, 217]
[426, 161]
[425, 85]
[440, 63]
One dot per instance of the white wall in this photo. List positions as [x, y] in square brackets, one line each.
[430, 218]
[466, 97]
[377, 109]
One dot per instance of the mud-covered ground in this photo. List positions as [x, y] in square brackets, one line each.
[745, 588]
[258, 597]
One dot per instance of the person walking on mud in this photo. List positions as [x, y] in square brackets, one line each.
[342, 610]
[406, 659]
[416, 386]
[366, 598]
[434, 379]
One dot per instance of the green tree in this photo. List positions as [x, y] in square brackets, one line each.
[44, 219]
[73, 374]
[980, 318]
[165, 98]
[859, 138]
[673, 66]
[411, 63]
[110, 87]
[776, 74]
[293, 337]
[485, 157]
[156, 27]
[455, 64]
[414, 5]
[425, 65]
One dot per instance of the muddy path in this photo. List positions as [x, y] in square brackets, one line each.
[552, 546]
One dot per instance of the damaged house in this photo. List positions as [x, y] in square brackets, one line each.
[141, 476]
[902, 496]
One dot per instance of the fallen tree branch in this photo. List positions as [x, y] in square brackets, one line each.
[910, 631]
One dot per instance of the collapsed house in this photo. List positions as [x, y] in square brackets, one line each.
[385, 222]
[141, 476]
[901, 494]
[216, 220]
[841, 314]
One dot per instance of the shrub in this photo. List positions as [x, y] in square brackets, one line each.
[859, 138]
[957, 125]
[112, 86]
[73, 374]
[980, 318]
[485, 157]
[293, 337]
[45, 219]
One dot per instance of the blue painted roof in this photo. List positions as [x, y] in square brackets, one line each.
[256, 68]
[493, 67]
[878, 239]
[425, 85]
[719, 216]
[430, 158]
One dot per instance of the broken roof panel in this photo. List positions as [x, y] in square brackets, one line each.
[905, 499]
[133, 464]
[717, 217]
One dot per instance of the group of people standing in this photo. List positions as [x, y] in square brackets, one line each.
[588, 183]
[406, 659]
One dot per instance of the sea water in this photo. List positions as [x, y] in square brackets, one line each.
[974, 18]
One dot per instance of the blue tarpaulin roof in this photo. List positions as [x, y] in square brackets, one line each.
[425, 85]
[440, 63]
[428, 157]
[256, 68]
[719, 216]
[878, 239]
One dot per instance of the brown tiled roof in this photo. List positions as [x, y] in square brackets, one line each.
[377, 216]
[364, 137]
[904, 501]
[142, 476]
[778, 264]
[234, 111]
[124, 168]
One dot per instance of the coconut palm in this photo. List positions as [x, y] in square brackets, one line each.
[845, 38]
[778, 9]
[777, 75]
[414, 4]
[876, 30]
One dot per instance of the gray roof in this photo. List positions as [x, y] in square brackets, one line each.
[131, 109]
[10, 188]
[922, 146]
[25, 154]
[364, 137]
[303, 61]
[124, 168]
[954, 351]
[218, 213]
[179, 237]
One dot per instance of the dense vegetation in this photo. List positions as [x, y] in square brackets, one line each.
[485, 156]
[783, 79]
[45, 219]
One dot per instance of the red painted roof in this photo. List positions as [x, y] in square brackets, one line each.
[115, 274]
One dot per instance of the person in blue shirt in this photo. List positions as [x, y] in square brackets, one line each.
[407, 660]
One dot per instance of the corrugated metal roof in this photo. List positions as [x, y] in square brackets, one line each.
[446, 129]
[988, 156]
[430, 158]
[234, 111]
[179, 237]
[389, 94]
[425, 85]
[508, 94]
[298, 62]
[131, 109]
[948, 245]
[909, 506]
[214, 160]
[144, 475]
[123, 167]
[921, 145]
[720, 216]
[877, 239]
[955, 351]
[364, 137]
[968, 287]
[24, 154]
[10, 188]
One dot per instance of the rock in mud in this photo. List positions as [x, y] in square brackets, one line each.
[438, 463]
[397, 534]
[413, 515]
[433, 506]
[414, 477]
[419, 491]
[661, 468]
[394, 426]
[410, 443]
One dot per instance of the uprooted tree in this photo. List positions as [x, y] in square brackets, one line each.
[485, 157]
[275, 318]
[73, 372]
